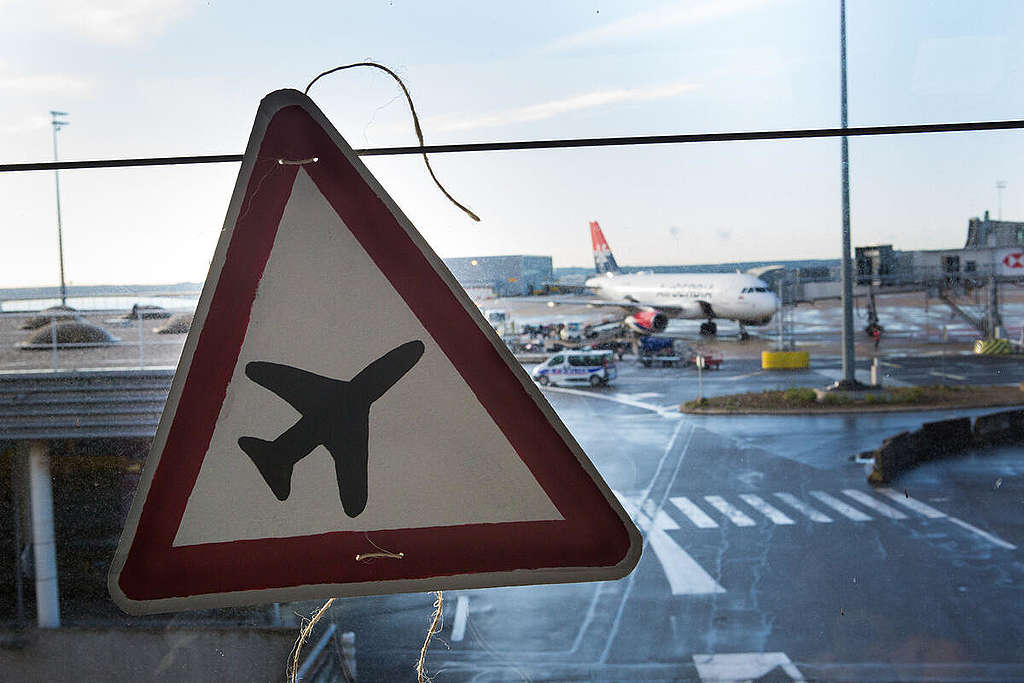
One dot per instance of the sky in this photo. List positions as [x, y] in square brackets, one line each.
[181, 77]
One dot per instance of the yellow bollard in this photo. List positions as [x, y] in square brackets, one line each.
[785, 360]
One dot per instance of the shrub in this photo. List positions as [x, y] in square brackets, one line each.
[799, 395]
[837, 399]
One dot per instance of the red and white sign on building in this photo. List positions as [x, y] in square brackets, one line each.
[1010, 262]
[343, 421]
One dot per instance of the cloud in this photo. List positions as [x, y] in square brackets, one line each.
[552, 108]
[44, 83]
[26, 125]
[685, 13]
[119, 22]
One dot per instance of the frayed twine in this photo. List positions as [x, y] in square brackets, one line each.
[421, 676]
[383, 553]
[303, 637]
[415, 122]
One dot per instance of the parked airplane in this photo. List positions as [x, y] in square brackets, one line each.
[335, 413]
[654, 298]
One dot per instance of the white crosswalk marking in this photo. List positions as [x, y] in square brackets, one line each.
[461, 616]
[699, 518]
[769, 511]
[913, 504]
[803, 507]
[734, 514]
[842, 508]
[867, 500]
[685, 576]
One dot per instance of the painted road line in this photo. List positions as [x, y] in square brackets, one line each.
[734, 514]
[685, 576]
[746, 376]
[842, 508]
[992, 538]
[622, 399]
[694, 513]
[803, 507]
[889, 364]
[867, 500]
[773, 513]
[912, 503]
[461, 616]
[745, 666]
[947, 375]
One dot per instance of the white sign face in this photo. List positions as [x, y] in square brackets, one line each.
[419, 431]
[1010, 262]
[339, 395]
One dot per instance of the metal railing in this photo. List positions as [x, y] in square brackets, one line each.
[333, 658]
[79, 339]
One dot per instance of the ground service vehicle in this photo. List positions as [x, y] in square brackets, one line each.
[596, 368]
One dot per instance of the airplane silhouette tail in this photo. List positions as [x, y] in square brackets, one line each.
[276, 471]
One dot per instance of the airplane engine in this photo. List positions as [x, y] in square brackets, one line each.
[647, 322]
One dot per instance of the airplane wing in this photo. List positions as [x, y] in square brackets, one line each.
[691, 308]
[305, 391]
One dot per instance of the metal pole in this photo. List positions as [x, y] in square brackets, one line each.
[16, 481]
[846, 270]
[778, 319]
[44, 547]
[60, 229]
[138, 324]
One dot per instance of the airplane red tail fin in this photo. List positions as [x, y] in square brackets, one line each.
[604, 261]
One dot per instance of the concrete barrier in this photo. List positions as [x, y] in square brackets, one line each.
[941, 439]
[785, 360]
[945, 437]
[998, 428]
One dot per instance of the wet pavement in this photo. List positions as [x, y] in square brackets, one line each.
[766, 553]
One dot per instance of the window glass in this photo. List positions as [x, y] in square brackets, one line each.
[768, 552]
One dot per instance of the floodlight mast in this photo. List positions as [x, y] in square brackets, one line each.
[849, 379]
[58, 122]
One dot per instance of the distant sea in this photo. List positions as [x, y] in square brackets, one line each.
[178, 296]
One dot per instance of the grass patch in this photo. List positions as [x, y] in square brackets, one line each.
[805, 399]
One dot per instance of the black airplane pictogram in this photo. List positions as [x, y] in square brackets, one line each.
[335, 413]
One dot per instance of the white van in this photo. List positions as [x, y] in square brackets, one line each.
[595, 368]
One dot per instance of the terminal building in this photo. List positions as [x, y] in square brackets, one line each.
[496, 276]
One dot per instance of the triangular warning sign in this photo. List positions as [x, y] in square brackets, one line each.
[343, 421]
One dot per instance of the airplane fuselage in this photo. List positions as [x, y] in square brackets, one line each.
[732, 296]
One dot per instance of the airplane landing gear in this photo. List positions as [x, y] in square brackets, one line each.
[708, 329]
[744, 336]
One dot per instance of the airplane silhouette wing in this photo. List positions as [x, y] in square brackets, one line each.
[350, 452]
[305, 391]
[380, 375]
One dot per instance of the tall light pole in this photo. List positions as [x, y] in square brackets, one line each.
[1000, 186]
[846, 266]
[58, 122]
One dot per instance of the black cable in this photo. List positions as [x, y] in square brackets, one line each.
[556, 144]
